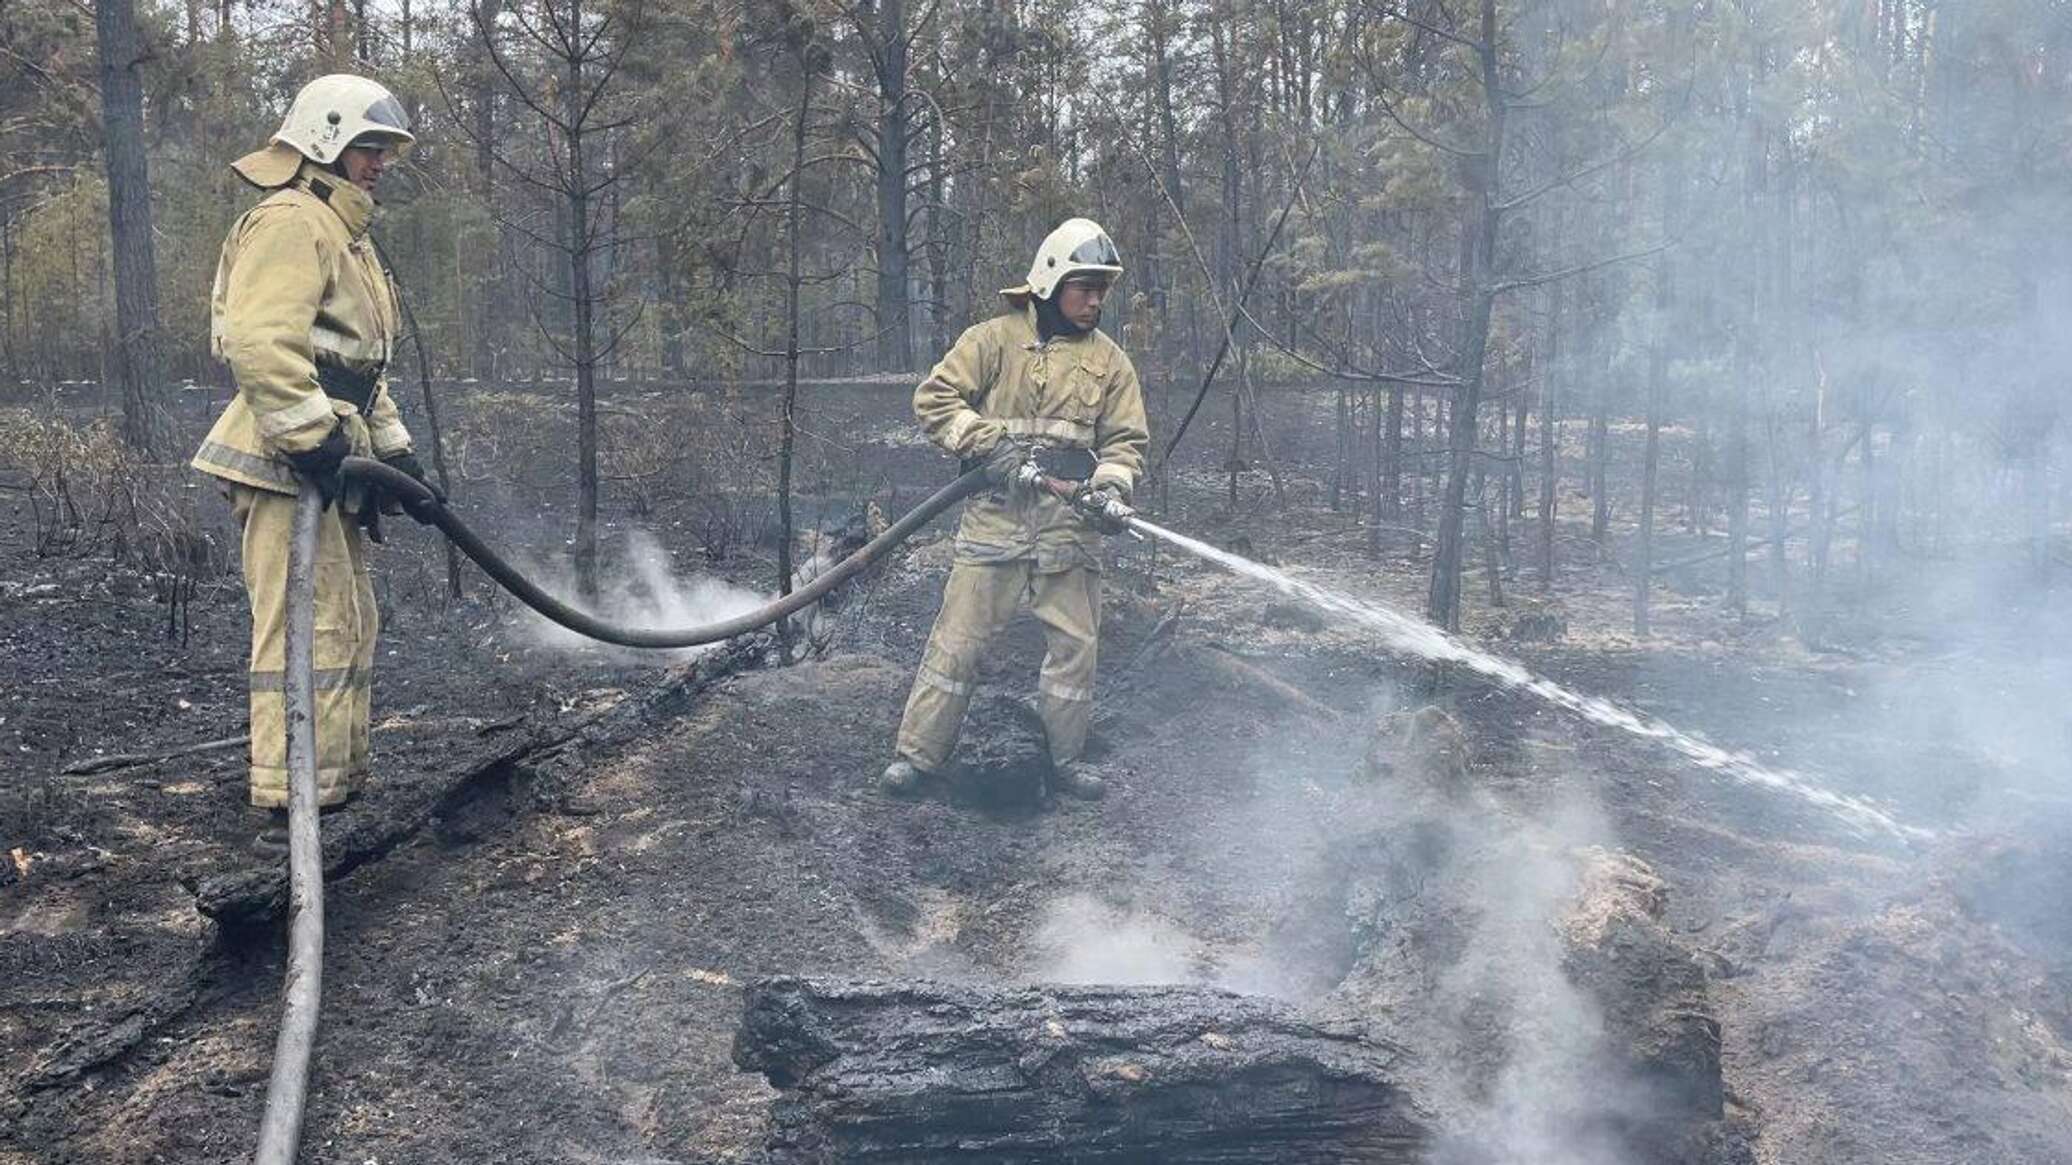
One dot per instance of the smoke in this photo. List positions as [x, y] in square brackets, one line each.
[637, 587]
[1521, 1056]
[1425, 904]
[1080, 939]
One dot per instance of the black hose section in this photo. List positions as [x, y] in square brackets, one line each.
[407, 488]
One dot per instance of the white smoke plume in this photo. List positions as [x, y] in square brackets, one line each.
[1081, 939]
[1519, 1050]
[638, 587]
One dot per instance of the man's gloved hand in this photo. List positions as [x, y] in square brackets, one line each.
[369, 516]
[321, 464]
[1098, 502]
[1007, 458]
[408, 463]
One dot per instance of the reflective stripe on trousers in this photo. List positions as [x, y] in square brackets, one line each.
[977, 602]
[346, 624]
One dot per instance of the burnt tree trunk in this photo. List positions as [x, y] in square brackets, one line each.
[1442, 604]
[1390, 461]
[1549, 462]
[895, 312]
[1342, 462]
[925, 1073]
[129, 222]
[1658, 378]
[578, 191]
[1779, 497]
[1515, 506]
[490, 291]
[787, 426]
[1601, 449]
[1754, 179]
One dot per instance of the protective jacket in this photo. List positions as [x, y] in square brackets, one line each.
[1069, 392]
[306, 318]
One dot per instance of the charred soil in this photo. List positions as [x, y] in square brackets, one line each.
[548, 962]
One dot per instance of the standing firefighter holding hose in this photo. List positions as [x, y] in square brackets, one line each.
[306, 318]
[1038, 383]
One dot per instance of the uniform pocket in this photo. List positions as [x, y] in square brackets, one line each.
[1083, 394]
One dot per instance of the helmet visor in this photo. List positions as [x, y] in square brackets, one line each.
[388, 113]
[1096, 252]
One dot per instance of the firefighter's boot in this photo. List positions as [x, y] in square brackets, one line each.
[1073, 779]
[900, 779]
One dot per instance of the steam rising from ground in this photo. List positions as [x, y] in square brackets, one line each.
[638, 587]
[1457, 903]
[1083, 940]
[1519, 1052]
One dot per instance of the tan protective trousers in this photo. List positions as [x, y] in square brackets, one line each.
[346, 623]
[977, 603]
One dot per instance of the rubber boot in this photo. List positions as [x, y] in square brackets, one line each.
[900, 779]
[272, 839]
[1073, 780]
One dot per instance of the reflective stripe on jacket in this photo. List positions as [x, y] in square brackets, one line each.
[298, 282]
[1076, 392]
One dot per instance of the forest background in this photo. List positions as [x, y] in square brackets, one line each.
[1818, 244]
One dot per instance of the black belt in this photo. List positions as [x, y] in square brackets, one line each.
[342, 383]
[1062, 464]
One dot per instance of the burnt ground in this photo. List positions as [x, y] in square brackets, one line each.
[550, 970]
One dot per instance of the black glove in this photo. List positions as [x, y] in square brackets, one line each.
[370, 514]
[320, 466]
[422, 511]
[1007, 458]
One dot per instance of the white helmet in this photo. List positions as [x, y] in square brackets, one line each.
[327, 116]
[333, 110]
[1079, 245]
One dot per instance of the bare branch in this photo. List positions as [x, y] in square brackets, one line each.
[1381, 97]
[1581, 268]
[33, 171]
[611, 345]
[1574, 176]
[1346, 371]
[1427, 26]
[496, 58]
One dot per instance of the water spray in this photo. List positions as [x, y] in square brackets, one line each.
[1407, 633]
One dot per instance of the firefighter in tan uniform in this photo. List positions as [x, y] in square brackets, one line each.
[305, 317]
[1038, 381]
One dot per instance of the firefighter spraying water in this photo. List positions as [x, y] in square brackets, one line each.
[1044, 409]
[1036, 388]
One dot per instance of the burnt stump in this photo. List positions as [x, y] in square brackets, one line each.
[922, 1072]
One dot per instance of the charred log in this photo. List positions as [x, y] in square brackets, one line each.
[924, 1072]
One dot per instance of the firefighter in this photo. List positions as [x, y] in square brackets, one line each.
[305, 316]
[1039, 381]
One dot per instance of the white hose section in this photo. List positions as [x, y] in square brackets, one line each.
[280, 1130]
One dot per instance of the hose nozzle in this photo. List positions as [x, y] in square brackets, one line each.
[1108, 514]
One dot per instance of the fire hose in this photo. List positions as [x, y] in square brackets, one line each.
[280, 1129]
[414, 493]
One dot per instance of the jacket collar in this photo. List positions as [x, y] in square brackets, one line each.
[353, 206]
[1032, 335]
